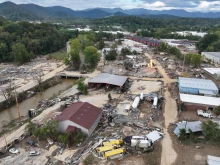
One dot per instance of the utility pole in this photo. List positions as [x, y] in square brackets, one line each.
[183, 62]
[19, 116]
[5, 140]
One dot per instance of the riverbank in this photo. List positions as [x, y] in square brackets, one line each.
[25, 94]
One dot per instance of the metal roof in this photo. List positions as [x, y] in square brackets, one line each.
[214, 54]
[205, 92]
[213, 160]
[212, 70]
[195, 126]
[205, 100]
[105, 78]
[197, 83]
[81, 113]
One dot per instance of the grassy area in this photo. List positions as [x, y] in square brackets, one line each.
[59, 55]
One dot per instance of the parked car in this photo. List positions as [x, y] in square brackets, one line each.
[30, 142]
[34, 153]
[14, 151]
[9, 146]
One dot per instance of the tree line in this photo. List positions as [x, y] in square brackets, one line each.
[22, 41]
[86, 47]
[210, 42]
[191, 59]
[133, 23]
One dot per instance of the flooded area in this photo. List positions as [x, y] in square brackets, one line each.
[10, 114]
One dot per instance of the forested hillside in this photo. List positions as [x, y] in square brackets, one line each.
[210, 42]
[21, 41]
[133, 23]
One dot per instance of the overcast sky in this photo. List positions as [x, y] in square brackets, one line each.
[189, 5]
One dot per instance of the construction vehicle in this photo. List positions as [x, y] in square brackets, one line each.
[114, 153]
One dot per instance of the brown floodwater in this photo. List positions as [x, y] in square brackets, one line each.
[11, 113]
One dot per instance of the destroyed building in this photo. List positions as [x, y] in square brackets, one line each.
[194, 126]
[79, 115]
[107, 80]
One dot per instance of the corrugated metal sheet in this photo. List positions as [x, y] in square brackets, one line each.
[204, 100]
[196, 83]
[105, 78]
[205, 92]
[195, 126]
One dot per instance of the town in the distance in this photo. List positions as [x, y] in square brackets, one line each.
[110, 86]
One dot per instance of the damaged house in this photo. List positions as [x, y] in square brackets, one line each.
[79, 115]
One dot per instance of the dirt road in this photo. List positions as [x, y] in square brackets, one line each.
[169, 155]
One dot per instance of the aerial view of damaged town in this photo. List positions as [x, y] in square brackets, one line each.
[115, 82]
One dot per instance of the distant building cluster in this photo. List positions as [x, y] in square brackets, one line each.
[190, 33]
[147, 41]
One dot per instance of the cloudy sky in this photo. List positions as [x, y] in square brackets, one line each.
[189, 5]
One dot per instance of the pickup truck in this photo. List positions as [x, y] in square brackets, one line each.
[204, 114]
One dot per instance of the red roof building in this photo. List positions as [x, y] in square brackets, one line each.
[79, 115]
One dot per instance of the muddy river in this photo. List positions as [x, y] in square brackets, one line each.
[10, 114]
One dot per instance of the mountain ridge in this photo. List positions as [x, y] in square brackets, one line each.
[18, 12]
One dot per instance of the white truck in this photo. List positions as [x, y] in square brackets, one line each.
[204, 114]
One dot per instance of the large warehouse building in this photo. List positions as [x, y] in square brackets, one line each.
[195, 102]
[214, 56]
[107, 80]
[197, 86]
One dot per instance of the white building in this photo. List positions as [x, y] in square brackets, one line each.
[79, 115]
[193, 33]
[214, 56]
[213, 72]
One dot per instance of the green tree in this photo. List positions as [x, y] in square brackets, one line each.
[163, 47]
[134, 52]
[101, 44]
[211, 131]
[125, 51]
[74, 53]
[217, 111]
[192, 136]
[182, 134]
[206, 41]
[20, 53]
[82, 87]
[112, 54]
[196, 60]
[92, 57]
